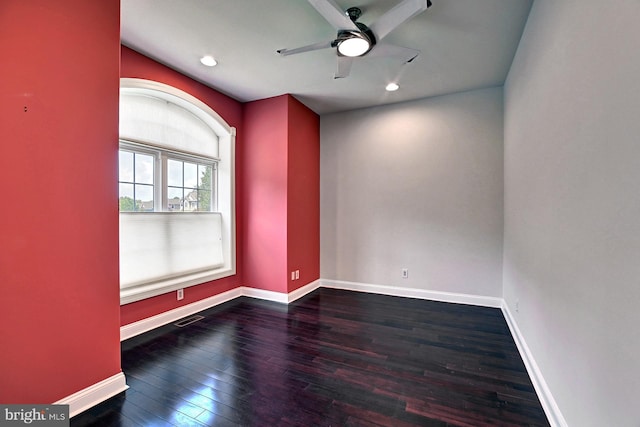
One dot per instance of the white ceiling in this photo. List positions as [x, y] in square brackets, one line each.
[465, 45]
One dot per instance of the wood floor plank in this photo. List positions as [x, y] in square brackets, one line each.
[332, 358]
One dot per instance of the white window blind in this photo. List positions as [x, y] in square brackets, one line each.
[156, 246]
[161, 122]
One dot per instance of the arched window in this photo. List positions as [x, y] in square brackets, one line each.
[176, 191]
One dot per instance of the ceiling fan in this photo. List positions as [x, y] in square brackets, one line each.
[354, 39]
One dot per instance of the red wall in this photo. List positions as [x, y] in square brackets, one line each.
[138, 66]
[303, 233]
[282, 199]
[265, 160]
[59, 314]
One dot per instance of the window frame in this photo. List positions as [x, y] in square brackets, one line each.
[161, 157]
[213, 163]
[224, 185]
[140, 150]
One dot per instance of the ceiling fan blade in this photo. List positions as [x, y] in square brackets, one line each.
[307, 48]
[344, 67]
[333, 14]
[402, 12]
[389, 50]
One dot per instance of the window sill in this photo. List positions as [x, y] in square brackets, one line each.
[148, 290]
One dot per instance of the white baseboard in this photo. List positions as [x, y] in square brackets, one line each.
[494, 302]
[279, 296]
[304, 290]
[145, 325]
[549, 404]
[263, 294]
[94, 394]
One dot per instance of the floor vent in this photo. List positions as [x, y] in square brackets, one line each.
[189, 320]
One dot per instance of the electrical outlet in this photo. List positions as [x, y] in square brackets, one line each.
[405, 273]
[293, 275]
[297, 274]
[180, 294]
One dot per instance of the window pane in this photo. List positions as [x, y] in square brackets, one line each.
[190, 200]
[126, 190]
[204, 172]
[175, 196]
[125, 162]
[174, 173]
[126, 197]
[144, 168]
[174, 204]
[204, 200]
[144, 197]
[175, 192]
[190, 175]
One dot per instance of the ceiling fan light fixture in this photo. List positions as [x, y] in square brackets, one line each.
[354, 44]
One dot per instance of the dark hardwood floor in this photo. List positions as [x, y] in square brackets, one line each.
[332, 358]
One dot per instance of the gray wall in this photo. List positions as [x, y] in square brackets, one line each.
[572, 204]
[415, 185]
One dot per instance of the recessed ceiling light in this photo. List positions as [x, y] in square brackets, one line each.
[392, 86]
[209, 61]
